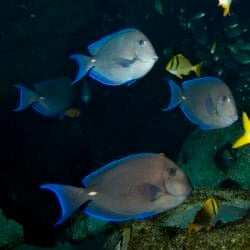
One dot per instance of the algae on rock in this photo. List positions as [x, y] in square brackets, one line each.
[209, 160]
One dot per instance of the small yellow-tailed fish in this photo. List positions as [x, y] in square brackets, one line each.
[225, 4]
[245, 138]
[205, 217]
[179, 65]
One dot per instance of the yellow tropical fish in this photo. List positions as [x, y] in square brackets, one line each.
[72, 112]
[179, 65]
[245, 138]
[225, 4]
[204, 218]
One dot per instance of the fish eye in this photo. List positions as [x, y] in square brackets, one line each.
[225, 98]
[172, 172]
[142, 42]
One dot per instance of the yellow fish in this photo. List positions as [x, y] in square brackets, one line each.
[72, 112]
[204, 218]
[179, 65]
[225, 4]
[245, 138]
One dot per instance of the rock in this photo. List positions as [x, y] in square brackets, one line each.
[11, 233]
[83, 227]
[209, 160]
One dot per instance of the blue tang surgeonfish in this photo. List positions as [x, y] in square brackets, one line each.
[206, 101]
[52, 97]
[119, 58]
[134, 187]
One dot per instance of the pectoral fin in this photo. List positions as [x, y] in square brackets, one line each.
[125, 63]
[152, 191]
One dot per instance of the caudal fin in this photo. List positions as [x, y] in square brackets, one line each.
[197, 69]
[84, 64]
[176, 94]
[26, 97]
[70, 198]
[245, 138]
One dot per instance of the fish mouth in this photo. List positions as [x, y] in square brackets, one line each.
[146, 59]
[232, 119]
[173, 190]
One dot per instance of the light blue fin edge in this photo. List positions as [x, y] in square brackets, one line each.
[86, 181]
[176, 94]
[193, 119]
[30, 95]
[94, 47]
[69, 198]
[100, 78]
[84, 65]
[201, 80]
[38, 107]
[103, 214]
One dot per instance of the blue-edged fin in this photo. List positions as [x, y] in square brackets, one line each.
[99, 77]
[152, 192]
[95, 47]
[85, 63]
[27, 97]
[191, 117]
[201, 80]
[39, 107]
[70, 198]
[104, 214]
[90, 179]
[176, 94]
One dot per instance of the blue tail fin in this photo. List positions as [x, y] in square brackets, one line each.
[70, 198]
[176, 94]
[84, 64]
[27, 97]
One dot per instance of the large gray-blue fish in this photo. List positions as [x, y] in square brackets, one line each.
[206, 101]
[119, 58]
[51, 97]
[134, 187]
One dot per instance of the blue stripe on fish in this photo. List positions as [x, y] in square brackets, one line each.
[176, 94]
[86, 181]
[27, 97]
[70, 198]
[84, 64]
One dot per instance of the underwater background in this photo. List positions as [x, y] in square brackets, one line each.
[36, 40]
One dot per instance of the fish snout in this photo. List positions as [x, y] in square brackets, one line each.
[234, 117]
[155, 58]
[231, 119]
[180, 189]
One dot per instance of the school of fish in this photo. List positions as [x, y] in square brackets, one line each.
[139, 185]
